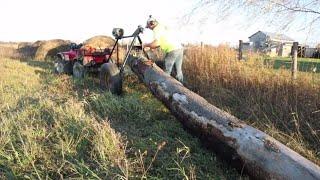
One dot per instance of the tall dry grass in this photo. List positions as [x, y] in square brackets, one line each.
[8, 52]
[18, 51]
[265, 98]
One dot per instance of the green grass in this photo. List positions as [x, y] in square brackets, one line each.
[304, 64]
[56, 127]
[299, 59]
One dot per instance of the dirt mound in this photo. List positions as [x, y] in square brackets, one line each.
[38, 43]
[41, 50]
[27, 50]
[100, 42]
[50, 48]
[24, 44]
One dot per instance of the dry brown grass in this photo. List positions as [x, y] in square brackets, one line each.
[265, 98]
[8, 52]
[13, 45]
[9, 49]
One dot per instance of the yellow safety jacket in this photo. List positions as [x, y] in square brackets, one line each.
[166, 39]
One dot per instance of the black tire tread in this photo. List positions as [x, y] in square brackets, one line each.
[115, 83]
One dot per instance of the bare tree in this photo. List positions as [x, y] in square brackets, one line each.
[304, 14]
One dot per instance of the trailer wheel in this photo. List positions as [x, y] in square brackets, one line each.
[68, 67]
[62, 66]
[110, 78]
[78, 70]
[59, 66]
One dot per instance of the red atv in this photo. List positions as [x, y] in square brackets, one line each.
[79, 60]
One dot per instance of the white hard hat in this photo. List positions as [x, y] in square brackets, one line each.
[151, 20]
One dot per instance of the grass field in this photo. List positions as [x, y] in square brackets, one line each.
[56, 127]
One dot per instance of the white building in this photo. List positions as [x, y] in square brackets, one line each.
[272, 44]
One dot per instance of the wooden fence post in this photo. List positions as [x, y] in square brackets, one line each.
[240, 50]
[294, 67]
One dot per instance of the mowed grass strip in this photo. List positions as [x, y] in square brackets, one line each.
[57, 127]
[304, 64]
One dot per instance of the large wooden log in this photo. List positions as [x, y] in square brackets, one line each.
[242, 146]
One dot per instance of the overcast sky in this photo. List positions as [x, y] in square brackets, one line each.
[78, 20]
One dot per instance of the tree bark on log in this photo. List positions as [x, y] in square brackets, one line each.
[242, 146]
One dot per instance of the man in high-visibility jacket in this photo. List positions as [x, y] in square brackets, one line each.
[164, 39]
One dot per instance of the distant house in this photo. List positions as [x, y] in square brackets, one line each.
[272, 44]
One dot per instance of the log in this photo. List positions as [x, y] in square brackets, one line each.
[248, 149]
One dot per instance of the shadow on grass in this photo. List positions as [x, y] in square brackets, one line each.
[45, 65]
